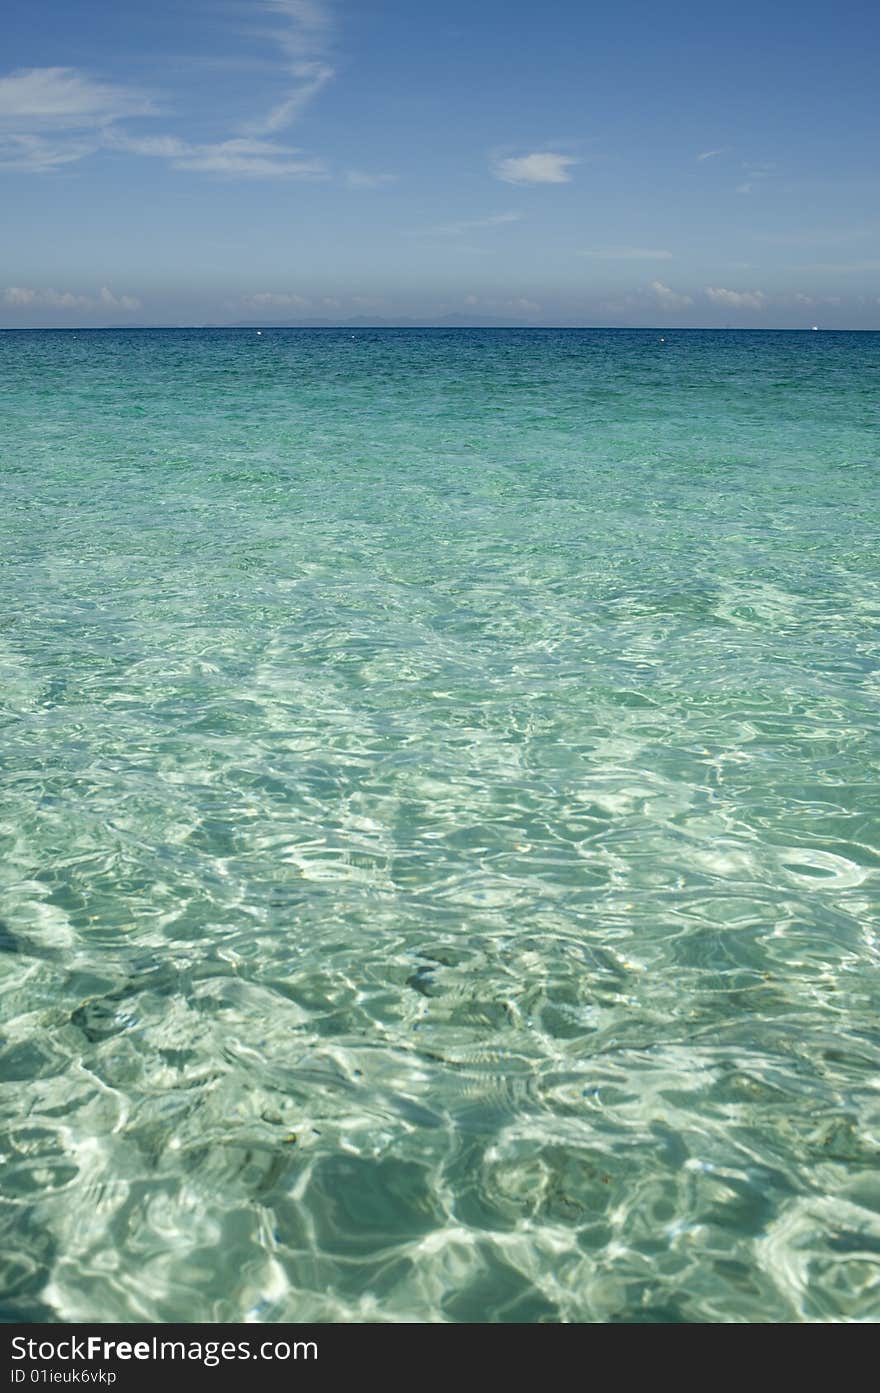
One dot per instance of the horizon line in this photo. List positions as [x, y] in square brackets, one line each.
[251, 326]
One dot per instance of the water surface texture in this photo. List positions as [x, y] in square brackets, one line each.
[439, 839]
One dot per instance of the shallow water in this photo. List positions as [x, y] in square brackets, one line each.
[440, 842]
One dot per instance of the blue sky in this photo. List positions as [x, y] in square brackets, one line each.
[216, 161]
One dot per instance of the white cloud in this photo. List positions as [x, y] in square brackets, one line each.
[25, 296]
[736, 299]
[539, 168]
[745, 188]
[527, 306]
[362, 179]
[710, 154]
[627, 254]
[56, 299]
[118, 302]
[670, 299]
[48, 298]
[457, 229]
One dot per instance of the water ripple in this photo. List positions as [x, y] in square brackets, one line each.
[440, 845]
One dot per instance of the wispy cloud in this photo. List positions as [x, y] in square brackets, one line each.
[249, 159]
[230, 159]
[627, 254]
[542, 167]
[710, 154]
[736, 299]
[48, 298]
[272, 299]
[670, 299]
[308, 25]
[304, 37]
[458, 229]
[519, 304]
[64, 99]
[363, 179]
[840, 268]
[50, 117]
[801, 299]
[816, 237]
[37, 154]
[313, 77]
[755, 174]
[302, 32]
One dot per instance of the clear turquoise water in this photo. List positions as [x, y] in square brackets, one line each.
[439, 838]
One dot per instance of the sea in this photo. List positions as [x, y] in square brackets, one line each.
[439, 830]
